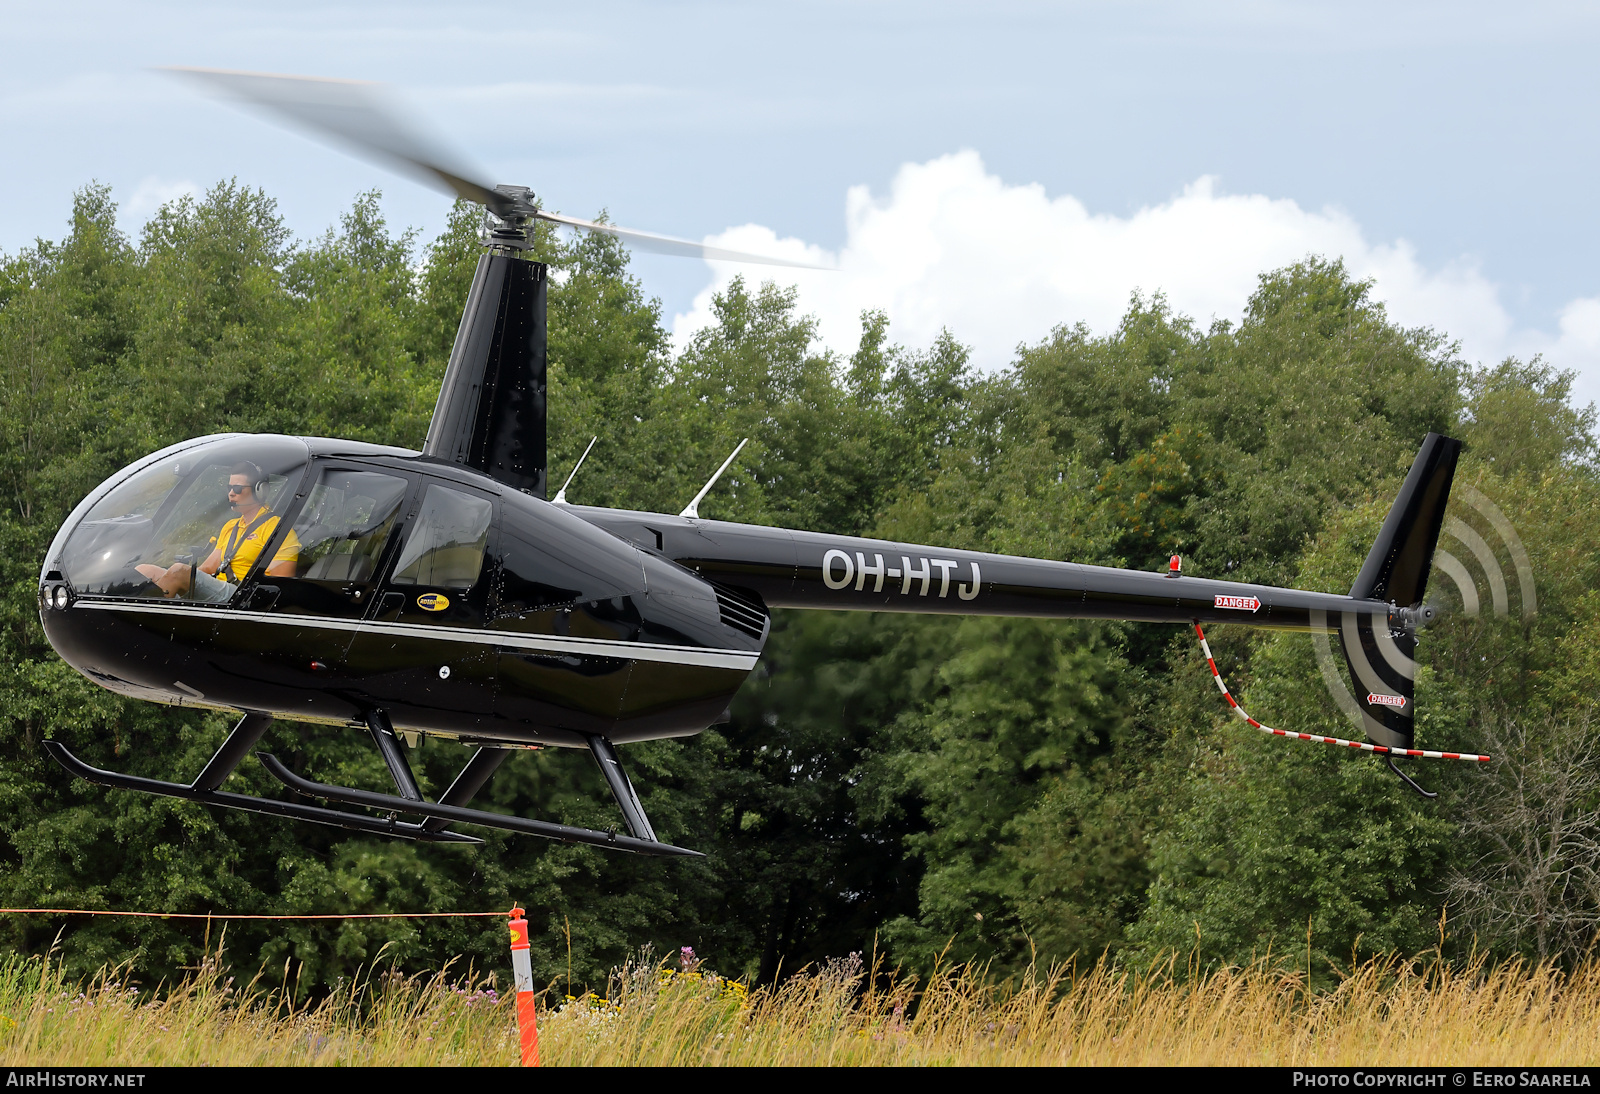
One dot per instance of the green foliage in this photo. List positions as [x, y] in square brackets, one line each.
[1519, 417]
[809, 814]
[1011, 755]
[608, 354]
[985, 789]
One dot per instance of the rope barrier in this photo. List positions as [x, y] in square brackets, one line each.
[242, 915]
[1362, 745]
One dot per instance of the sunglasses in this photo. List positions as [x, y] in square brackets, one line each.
[236, 489]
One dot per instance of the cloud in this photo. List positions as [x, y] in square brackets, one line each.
[953, 246]
[1576, 347]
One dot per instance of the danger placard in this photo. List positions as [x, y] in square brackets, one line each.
[1239, 603]
[1379, 699]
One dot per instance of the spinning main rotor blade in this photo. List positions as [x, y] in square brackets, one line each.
[671, 245]
[355, 115]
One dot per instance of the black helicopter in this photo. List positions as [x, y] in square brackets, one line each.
[440, 593]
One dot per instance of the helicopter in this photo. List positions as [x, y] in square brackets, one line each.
[442, 593]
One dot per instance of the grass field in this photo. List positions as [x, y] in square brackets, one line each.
[1385, 1012]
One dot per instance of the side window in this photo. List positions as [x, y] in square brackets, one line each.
[445, 548]
[345, 523]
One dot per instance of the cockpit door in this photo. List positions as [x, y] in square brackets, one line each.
[341, 540]
[426, 651]
[292, 631]
[441, 575]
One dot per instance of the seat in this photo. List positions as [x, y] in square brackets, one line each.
[333, 566]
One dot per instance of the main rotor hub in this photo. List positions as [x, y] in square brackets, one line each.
[512, 225]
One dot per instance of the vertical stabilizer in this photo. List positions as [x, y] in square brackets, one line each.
[1397, 567]
[1380, 645]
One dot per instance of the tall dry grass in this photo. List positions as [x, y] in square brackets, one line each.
[208, 1019]
[1385, 1012]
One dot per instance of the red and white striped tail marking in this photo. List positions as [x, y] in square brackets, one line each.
[1363, 746]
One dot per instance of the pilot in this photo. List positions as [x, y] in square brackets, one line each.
[238, 545]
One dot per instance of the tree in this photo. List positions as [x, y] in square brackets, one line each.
[1008, 788]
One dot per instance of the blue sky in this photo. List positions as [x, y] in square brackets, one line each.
[996, 168]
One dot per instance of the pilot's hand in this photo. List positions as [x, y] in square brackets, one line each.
[172, 581]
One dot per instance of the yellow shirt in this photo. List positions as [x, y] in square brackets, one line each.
[255, 541]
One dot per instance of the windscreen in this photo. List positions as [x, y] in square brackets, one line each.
[175, 512]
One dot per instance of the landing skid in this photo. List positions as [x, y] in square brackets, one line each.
[450, 809]
[349, 796]
[292, 810]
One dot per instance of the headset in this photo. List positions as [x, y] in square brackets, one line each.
[258, 478]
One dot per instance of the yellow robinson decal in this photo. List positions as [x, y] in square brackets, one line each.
[433, 602]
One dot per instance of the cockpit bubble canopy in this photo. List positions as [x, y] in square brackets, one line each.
[173, 510]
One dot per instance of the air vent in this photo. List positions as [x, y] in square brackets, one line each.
[742, 611]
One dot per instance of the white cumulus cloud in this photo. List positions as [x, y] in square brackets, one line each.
[954, 246]
[1577, 346]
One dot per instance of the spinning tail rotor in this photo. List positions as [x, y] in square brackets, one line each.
[1488, 587]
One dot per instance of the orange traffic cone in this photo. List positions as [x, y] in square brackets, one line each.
[522, 973]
